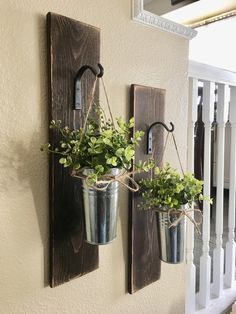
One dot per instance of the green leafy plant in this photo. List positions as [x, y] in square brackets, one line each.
[100, 147]
[169, 190]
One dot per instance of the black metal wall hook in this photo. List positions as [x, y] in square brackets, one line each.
[79, 74]
[149, 134]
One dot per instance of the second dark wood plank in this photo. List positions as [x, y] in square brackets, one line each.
[147, 106]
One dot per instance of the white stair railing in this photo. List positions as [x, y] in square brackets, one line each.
[218, 253]
[230, 245]
[205, 260]
[216, 297]
[191, 269]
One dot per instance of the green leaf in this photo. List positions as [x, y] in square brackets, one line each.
[138, 135]
[99, 169]
[62, 161]
[107, 141]
[93, 140]
[92, 178]
[45, 147]
[76, 166]
[112, 161]
[122, 125]
[129, 153]
[131, 122]
[120, 152]
[107, 133]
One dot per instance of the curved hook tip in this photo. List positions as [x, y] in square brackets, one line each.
[101, 69]
[172, 127]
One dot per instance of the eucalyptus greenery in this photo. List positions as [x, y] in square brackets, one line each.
[100, 147]
[169, 190]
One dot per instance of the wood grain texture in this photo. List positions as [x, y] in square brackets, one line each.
[147, 106]
[71, 44]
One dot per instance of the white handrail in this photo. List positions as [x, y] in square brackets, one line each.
[209, 73]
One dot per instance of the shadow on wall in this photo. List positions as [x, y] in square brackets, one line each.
[25, 164]
[25, 171]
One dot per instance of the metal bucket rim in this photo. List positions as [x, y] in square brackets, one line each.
[163, 209]
[111, 171]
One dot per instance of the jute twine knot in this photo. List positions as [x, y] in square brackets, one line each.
[186, 213]
[106, 180]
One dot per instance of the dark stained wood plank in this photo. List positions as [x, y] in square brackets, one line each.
[147, 106]
[71, 44]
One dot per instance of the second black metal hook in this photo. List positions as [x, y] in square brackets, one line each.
[149, 134]
[79, 74]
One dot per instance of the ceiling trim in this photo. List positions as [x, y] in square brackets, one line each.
[153, 20]
[213, 19]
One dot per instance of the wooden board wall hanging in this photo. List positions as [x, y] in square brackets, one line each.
[147, 107]
[71, 44]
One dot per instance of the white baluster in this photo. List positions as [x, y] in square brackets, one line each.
[205, 260]
[230, 245]
[218, 253]
[191, 269]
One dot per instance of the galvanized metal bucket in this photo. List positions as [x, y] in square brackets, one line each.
[171, 238]
[101, 211]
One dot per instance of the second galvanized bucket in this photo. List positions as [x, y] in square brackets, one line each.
[171, 238]
[101, 211]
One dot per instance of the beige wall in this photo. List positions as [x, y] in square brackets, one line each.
[130, 53]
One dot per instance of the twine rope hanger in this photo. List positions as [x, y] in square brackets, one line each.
[164, 149]
[183, 212]
[106, 180]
